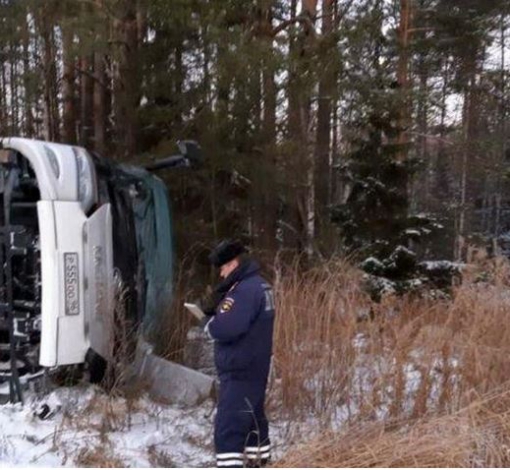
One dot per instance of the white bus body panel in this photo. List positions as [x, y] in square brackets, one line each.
[50, 284]
[100, 291]
[57, 169]
[77, 273]
[54, 166]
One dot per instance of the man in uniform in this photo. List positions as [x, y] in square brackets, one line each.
[241, 324]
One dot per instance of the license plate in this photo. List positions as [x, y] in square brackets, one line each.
[71, 284]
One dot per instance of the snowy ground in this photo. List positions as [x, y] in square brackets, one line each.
[90, 429]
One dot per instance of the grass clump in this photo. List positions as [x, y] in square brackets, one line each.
[407, 382]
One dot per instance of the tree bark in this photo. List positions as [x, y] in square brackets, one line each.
[13, 80]
[422, 123]
[68, 87]
[99, 103]
[126, 83]
[293, 85]
[461, 221]
[470, 121]
[3, 101]
[266, 209]
[28, 94]
[404, 114]
[499, 183]
[326, 91]
[86, 92]
[268, 81]
[309, 8]
[51, 112]
[301, 128]
[179, 85]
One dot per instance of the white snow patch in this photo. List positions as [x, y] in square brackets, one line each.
[86, 419]
[442, 264]
[136, 433]
[412, 232]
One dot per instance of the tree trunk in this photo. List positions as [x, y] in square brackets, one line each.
[422, 125]
[99, 103]
[404, 114]
[28, 92]
[179, 86]
[51, 113]
[86, 92]
[267, 209]
[293, 85]
[126, 83]
[13, 80]
[460, 232]
[335, 181]
[292, 218]
[499, 183]
[326, 90]
[300, 129]
[469, 148]
[309, 8]
[69, 115]
[3, 101]
[269, 88]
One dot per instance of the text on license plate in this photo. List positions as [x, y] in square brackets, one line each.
[71, 284]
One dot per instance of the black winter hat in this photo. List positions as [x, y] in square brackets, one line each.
[226, 251]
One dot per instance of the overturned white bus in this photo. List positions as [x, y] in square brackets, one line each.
[76, 231]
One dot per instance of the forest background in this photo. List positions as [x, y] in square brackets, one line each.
[329, 126]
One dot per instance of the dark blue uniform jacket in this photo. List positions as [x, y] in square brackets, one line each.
[243, 327]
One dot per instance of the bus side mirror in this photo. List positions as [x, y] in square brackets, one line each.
[192, 151]
[190, 156]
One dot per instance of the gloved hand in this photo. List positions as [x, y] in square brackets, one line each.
[209, 311]
[207, 304]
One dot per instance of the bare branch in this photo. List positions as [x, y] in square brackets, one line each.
[304, 19]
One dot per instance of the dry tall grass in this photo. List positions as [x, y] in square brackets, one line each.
[313, 339]
[409, 381]
[170, 338]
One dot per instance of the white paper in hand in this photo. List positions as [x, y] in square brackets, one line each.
[195, 310]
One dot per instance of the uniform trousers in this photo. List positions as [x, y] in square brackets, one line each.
[241, 428]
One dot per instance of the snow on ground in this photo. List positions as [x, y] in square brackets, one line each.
[88, 428]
